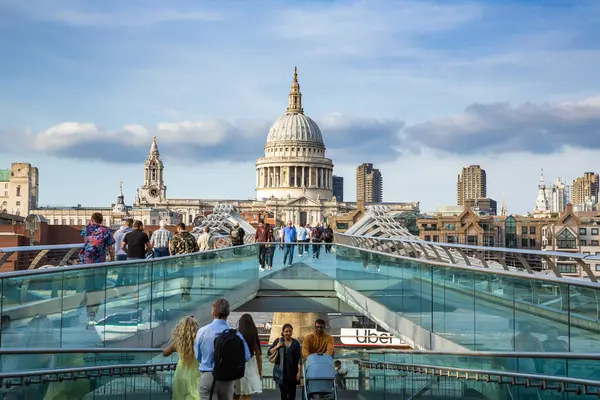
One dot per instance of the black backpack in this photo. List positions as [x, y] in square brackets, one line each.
[230, 356]
[316, 235]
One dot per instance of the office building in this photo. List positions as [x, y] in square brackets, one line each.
[369, 184]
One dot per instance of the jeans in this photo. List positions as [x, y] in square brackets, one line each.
[288, 250]
[302, 248]
[328, 247]
[316, 249]
[270, 255]
[161, 252]
[263, 255]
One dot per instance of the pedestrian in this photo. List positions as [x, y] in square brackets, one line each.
[262, 237]
[137, 245]
[218, 341]
[251, 383]
[302, 238]
[97, 241]
[186, 379]
[161, 240]
[288, 239]
[285, 353]
[316, 236]
[119, 235]
[270, 246]
[237, 235]
[184, 242]
[328, 238]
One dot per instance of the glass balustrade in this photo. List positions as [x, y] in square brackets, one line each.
[99, 305]
[476, 308]
[479, 309]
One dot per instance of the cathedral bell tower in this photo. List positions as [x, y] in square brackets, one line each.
[153, 190]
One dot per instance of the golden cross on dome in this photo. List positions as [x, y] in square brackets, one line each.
[295, 74]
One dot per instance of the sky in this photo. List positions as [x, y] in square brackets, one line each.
[419, 88]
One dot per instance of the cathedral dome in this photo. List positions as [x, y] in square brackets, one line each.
[294, 127]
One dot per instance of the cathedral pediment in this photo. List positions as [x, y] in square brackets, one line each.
[303, 201]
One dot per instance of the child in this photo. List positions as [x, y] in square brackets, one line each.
[340, 375]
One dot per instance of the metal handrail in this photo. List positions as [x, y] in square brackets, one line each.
[473, 247]
[515, 274]
[21, 249]
[516, 378]
[112, 264]
[83, 370]
[490, 354]
[477, 374]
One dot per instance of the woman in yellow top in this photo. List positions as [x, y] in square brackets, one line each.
[187, 374]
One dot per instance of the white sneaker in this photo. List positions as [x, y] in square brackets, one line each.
[261, 269]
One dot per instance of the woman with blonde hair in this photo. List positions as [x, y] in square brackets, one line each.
[187, 374]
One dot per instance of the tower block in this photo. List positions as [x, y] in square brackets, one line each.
[303, 324]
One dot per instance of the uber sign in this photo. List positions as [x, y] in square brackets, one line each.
[368, 337]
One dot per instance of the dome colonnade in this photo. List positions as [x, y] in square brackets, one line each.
[294, 164]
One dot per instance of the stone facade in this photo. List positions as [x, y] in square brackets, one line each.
[19, 188]
[574, 232]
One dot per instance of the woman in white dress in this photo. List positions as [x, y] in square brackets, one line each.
[251, 383]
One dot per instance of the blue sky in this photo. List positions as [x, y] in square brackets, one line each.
[419, 88]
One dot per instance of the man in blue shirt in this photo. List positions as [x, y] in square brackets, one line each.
[288, 238]
[204, 348]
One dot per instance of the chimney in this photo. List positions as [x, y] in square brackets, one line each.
[568, 208]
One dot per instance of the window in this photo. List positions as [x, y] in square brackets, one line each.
[19, 191]
[510, 228]
[583, 243]
[55, 221]
[79, 222]
[451, 239]
[523, 242]
[428, 238]
[582, 231]
[567, 268]
[532, 230]
[64, 221]
[597, 267]
[449, 227]
[488, 241]
[18, 203]
[594, 243]
[565, 240]
[532, 243]
[71, 221]
[594, 231]
[436, 238]
[153, 222]
[472, 240]
[524, 230]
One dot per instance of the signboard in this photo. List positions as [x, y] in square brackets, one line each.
[368, 337]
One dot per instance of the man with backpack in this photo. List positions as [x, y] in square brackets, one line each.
[237, 235]
[222, 353]
[316, 236]
[328, 238]
[184, 242]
